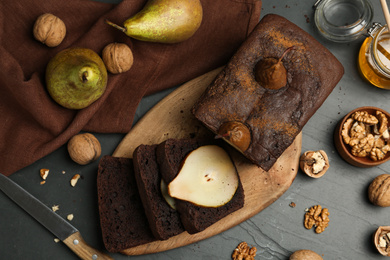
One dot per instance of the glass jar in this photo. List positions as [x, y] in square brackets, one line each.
[343, 20]
[374, 57]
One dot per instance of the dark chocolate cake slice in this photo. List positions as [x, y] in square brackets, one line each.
[164, 221]
[122, 218]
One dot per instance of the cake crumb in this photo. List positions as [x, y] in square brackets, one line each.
[292, 204]
[56, 240]
[74, 180]
[55, 208]
[44, 173]
[70, 217]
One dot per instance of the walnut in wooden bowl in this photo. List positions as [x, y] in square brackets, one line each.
[362, 137]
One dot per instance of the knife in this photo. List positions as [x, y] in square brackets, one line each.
[51, 220]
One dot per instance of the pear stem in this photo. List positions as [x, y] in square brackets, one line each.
[116, 26]
[218, 136]
[285, 52]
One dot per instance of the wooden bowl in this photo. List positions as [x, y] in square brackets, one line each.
[345, 150]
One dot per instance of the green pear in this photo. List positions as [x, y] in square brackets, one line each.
[76, 77]
[164, 21]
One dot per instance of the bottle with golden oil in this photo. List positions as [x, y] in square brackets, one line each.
[374, 57]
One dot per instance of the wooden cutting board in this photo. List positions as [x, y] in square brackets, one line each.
[171, 118]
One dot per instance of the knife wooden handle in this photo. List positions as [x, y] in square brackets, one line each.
[82, 249]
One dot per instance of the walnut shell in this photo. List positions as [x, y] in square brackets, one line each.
[49, 29]
[381, 240]
[118, 57]
[379, 191]
[84, 148]
[314, 163]
[305, 254]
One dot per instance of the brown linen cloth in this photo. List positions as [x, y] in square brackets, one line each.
[32, 125]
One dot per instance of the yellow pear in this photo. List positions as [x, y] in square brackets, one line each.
[164, 21]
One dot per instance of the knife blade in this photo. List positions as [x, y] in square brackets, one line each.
[61, 228]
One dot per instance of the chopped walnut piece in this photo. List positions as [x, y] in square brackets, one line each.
[379, 142]
[74, 180]
[358, 131]
[44, 173]
[364, 146]
[383, 122]
[378, 154]
[346, 129]
[386, 135]
[318, 217]
[365, 117]
[384, 242]
[244, 252]
[292, 204]
[319, 162]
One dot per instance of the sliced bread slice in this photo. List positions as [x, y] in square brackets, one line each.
[164, 221]
[122, 217]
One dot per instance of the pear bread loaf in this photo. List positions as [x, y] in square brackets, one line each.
[170, 155]
[122, 217]
[272, 85]
[164, 221]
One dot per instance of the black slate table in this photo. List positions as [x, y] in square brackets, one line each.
[278, 230]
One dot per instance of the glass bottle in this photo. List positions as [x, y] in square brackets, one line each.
[374, 57]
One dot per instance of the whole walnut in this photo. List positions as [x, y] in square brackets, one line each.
[84, 148]
[117, 57]
[49, 29]
[305, 254]
[379, 192]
